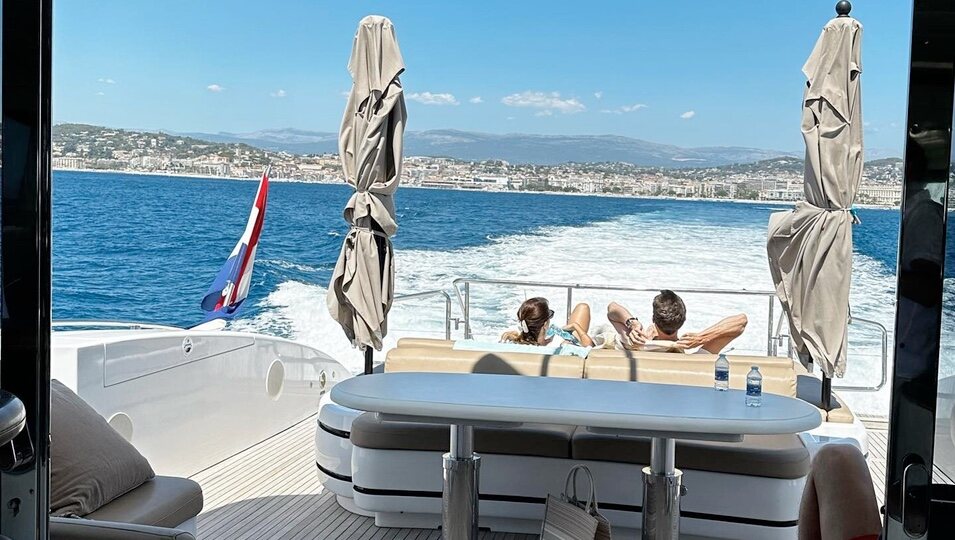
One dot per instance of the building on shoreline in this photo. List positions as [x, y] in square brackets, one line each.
[780, 179]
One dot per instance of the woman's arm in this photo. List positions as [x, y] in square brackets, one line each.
[579, 333]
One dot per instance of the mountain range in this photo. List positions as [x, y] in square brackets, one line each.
[513, 147]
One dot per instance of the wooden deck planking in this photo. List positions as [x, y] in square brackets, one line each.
[271, 491]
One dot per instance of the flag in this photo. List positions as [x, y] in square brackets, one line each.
[231, 284]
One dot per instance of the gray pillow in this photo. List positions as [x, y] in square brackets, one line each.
[90, 463]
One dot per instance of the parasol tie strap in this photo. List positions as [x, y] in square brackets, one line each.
[851, 211]
[356, 228]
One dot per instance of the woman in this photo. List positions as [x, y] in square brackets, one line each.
[535, 328]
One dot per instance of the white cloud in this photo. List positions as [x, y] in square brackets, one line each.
[509, 118]
[100, 93]
[545, 112]
[106, 80]
[632, 108]
[599, 94]
[215, 88]
[427, 98]
[476, 100]
[625, 109]
[278, 93]
[688, 114]
[544, 100]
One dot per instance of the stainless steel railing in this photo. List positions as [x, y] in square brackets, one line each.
[885, 357]
[429, 294]
[774, 339]
[462, 287]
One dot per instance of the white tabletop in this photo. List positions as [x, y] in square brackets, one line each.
[662, 409]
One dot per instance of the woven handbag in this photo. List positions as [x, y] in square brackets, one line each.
[603, 524]
[569, 518]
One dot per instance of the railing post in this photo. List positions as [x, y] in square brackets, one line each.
[447, 317]
[770, 344]
[467, 310]
[570, 302]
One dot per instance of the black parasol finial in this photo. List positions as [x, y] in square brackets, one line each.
[843, 8]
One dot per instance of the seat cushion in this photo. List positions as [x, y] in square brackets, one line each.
[771, 456]
[90, 463]
[809, 389]
[164, 501]
[544, 440]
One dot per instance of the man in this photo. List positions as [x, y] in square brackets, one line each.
[669, 314]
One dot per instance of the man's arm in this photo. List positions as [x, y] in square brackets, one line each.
[618, 317]
[715, 338]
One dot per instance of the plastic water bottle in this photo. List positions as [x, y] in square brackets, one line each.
[754, 388]
[721, 381]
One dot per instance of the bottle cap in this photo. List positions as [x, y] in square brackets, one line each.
[755, 367]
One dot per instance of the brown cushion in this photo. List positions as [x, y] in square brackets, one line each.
[771, 456]
[809, 389]
[545, 440]
[90, 463]
[164, 501]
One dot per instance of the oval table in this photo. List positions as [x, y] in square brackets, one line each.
[663, 412]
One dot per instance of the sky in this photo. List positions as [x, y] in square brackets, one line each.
[690, 73]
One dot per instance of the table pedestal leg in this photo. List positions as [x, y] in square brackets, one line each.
[661, 492]
[459, 512]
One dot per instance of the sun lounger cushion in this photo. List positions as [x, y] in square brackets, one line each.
[688, 369]
[164, 501]
[544, 440]
[425, 342]
[90, 463]
[447, 360]
[771, 456]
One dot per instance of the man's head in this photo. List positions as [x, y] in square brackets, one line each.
[669, 312]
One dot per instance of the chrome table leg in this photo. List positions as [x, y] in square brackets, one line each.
[459, 511]
[661, 492]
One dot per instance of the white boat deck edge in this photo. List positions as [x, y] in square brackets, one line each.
[272, 491]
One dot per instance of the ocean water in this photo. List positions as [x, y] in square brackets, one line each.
[145, 248]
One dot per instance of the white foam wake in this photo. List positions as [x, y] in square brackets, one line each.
[629, 251]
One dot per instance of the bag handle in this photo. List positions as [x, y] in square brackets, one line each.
[591, 505]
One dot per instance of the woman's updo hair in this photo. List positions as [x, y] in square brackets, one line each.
[532, 318]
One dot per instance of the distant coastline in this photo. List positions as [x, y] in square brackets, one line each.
[782, 204]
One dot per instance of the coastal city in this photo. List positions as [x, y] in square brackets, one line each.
[84, 147]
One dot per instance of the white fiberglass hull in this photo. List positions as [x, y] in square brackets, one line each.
[188, 399]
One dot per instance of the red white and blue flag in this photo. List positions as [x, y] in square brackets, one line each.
[231, 285]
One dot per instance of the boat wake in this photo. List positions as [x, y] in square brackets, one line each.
[635, 251]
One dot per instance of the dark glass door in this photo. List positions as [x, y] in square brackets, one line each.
[25, 262]
[924, 304]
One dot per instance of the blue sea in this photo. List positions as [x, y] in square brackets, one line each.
[145, 248]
